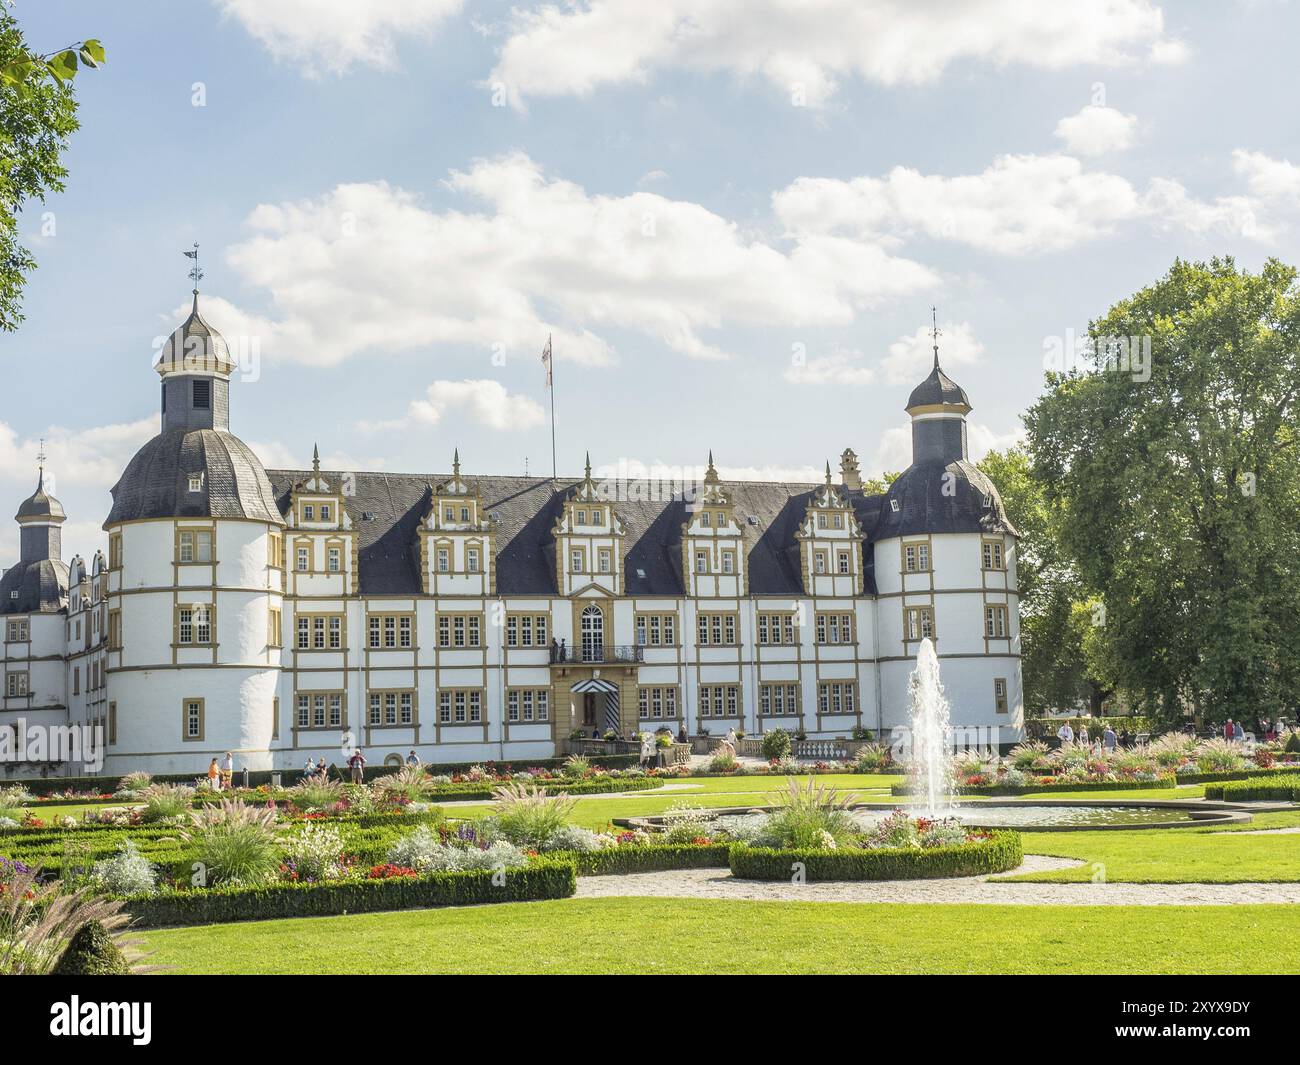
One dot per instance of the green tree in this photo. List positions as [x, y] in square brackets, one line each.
[1172, 462]
[38, 113]
[1055, 614]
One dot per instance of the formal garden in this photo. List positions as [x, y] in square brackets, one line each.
[173, 875]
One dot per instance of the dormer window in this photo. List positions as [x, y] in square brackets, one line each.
[582, 517]
[449, 514]
[464, 514]
[597, 517]
[196, 482]
[706, 520]
[324, 512]
[893, 505]
[308, 512]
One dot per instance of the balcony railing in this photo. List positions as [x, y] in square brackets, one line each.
[608, 653]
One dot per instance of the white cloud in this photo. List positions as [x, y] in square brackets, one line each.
[1095, 130]
[579, 47]
[484, 401]
[1019, 204]
[911, 356]
[334, 35]
[838, 367]
[1266, 177]
[368, 267]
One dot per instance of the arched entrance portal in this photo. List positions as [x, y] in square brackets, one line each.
[597, 705]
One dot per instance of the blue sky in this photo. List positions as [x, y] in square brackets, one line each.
[733, 216]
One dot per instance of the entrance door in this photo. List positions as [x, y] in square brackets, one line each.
[590, 710]
[593, 634]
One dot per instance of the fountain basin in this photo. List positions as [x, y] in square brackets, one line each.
[1044, 815]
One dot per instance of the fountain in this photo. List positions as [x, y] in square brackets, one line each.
[931, 767]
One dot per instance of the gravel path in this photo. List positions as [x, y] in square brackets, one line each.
[720, 884]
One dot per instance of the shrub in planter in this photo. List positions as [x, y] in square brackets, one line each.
[872, 758]
[811, 816]
[575, 766]
[527, 816]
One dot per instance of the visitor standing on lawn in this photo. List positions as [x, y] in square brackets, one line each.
[214, 776]
[228, 772]
[357, 763]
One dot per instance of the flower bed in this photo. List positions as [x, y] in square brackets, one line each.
[998, 852]
[1274, 787]
[541, 878]
[1051, 784]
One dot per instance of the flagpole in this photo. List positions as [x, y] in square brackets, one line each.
[550, 375]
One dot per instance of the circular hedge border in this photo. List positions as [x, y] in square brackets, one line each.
[1000, 853]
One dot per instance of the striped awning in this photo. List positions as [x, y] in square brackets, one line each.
[595, 684]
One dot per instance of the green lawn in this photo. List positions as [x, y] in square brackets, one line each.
[715, 936]
[1225, 855]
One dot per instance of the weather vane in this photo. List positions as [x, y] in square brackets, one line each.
[40, 455]
[934, 329]
[195, 275]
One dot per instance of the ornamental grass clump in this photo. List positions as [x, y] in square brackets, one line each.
[872, 758]
[808, 817]
[687, 824]
[11, 804]
[526, 816]
[313, 795]
[38, 922]
[165, 802]
[1219, 756]
[1171, 750]
[575, 767]
[134, 783]
[425, 851]
[409, 784]
[127, 872]
[234, 843]
[1024, 755]
[724, 760]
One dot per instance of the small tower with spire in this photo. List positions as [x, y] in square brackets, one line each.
[938, 407]
[40, 519]
[195, 364]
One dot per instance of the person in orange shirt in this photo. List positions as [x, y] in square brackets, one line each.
[214, 776]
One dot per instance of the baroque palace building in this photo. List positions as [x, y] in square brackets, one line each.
[283, 614]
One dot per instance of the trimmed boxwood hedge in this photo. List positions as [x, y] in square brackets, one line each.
[1087, 785]
[647, 858]
[1271, 788]
[1238, 774]
[996, 855]
[542, 878]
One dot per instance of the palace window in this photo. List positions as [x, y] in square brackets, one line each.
[322, 709]
[776, 628]
[778, 700]
[460, 706]
[460, 630]
[272, 627]
[471, 559]
[196, 482]
[834, 628]
[918, 623]
[324, 512]
[528, 705]
[728, 562]
[842, 562]
[112, 722]
[115, 630]
[717, 630]
[719, 700]
[656, 630]
[18, 630]
[605, 560]
[194, 545]
[303, 559]
[274, 550]
[819, 561]
[995, 621]
[194, 625]
[192, 719]
[115, 551]
[701, 562]
[527, 630]
[308, 512]
[320, 632]
[916, 558]
[392, 709]
[444, 560]
[578, 560]
[1000, 695]
[992, 555]
[656, 702]
[390, 631]
[837, 697]
[334, 559]
[15, 685]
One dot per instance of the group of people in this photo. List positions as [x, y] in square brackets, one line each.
[222, 777]
[1108, 741]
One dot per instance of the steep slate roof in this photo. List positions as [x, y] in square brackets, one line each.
[42, 587]
[937, 389]
[525, 509]
[155, 483]
[938, 497]
[40, 504]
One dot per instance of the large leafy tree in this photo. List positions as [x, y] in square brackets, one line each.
[38, 114]
[1176, 487]
[1056, 615]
